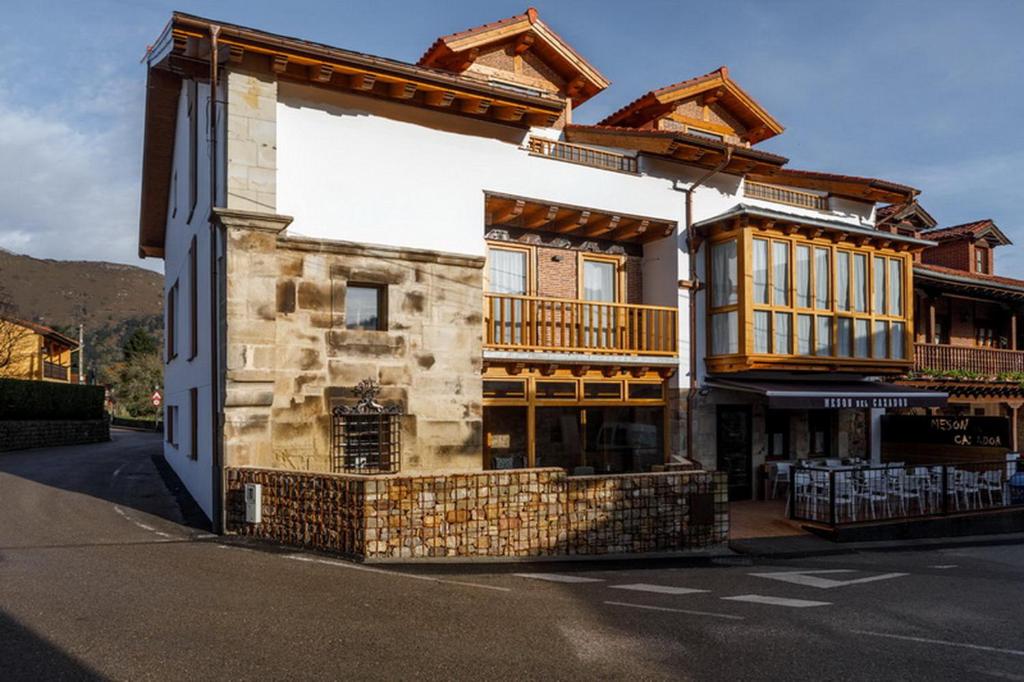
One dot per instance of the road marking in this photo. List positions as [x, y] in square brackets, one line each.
[811, 579]
[117, 471]
[943, 567]
[143, 526]
[370, 569]
[777, 601]
[645, 607]
[658, 589]
[559, 578]
[925, 640]
[204, 536]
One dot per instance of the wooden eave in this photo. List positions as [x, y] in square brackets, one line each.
[867, 189]
[689, 149]
[573, 221]
[161, 115]
[728, 364]
[457, 51]
[967, 285]
[756, 218]
[968, 389]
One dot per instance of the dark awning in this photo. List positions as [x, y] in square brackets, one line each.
[834, 394]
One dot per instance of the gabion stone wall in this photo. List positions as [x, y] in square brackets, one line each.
[521, 513]
[21, 435]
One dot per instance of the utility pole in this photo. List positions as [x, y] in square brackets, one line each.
[81, 352]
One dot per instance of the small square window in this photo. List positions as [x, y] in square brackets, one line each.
[366, 307]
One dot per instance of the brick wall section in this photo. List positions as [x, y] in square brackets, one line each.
[952, 254]
[22, 435]
[557, 279]
[522, 513]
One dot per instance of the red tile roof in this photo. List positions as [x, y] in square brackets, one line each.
[981, 277]
[720, 72]
[942, 234]
[42, 330]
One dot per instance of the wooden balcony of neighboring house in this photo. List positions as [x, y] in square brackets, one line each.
[55, 371]
[585, 156]
[556, 326]
[979, 360]
[785, 195]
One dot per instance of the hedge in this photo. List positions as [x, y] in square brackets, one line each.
[27, 400]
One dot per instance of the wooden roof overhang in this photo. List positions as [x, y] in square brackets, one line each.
[573, 221]
[183, 51]
[677, 146]
[967, 285]
[851, 186]
[714, 87]
[456, 52]
[970, 389]
[755, 217]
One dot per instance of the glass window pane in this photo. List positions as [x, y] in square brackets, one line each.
[803, 276]
[362, 308]
[895, 287]
[823, 335]
[896, 336]
[762, 331]
[879, 305]
[844, 337]
[843, 277]
[598, 280]
[506, 271]
[879, 342]
[861, 341]
[760, 257]
[723, 273]
[860, 282]
[783, 333]
[725, 333]
[822, 279]
[803, 334]
[780, 273]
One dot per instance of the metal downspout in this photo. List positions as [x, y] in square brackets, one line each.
[216, 418]
[694, 286]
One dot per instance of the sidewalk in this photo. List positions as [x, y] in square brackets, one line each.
[801, 546]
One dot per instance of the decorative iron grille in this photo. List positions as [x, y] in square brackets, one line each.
[367, 437]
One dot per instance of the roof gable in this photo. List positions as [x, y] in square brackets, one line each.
[521, 50]
[713, 102]
[978, 230]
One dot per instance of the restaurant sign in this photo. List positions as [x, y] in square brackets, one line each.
[977, 432]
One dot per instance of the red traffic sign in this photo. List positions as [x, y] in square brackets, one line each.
[156, 397]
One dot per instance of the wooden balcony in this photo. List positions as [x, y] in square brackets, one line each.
[785, 195]
[534, 323]
[974, 359]
[52, 370]
[586, 156]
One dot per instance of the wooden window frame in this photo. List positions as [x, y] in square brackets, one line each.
[382, 304]
[743, 254]
[170, 417]
[193, 299]
[171, 340]
[620, 273]
[192, 90]
[193, 423]
[531, 269]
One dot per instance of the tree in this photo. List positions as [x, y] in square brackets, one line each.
[13, 336]
[139, 343]
[134, 384]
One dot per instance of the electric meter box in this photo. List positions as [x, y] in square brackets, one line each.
[253, 503]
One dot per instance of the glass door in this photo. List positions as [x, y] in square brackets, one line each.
[600, 284]
[508, 274]
[734, 441]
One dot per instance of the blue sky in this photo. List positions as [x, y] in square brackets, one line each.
[926, 93]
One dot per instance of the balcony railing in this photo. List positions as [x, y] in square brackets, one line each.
[533, 323]
[51, 370]
[974, 359]
[784, 195]
[586, 156]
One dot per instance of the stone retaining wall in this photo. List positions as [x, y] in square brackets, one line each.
[521, 513]
[22, 435]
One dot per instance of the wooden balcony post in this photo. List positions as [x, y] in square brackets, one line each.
[1013, 330]
[931, 322]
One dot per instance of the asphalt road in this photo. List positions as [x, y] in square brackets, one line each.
[101, 577]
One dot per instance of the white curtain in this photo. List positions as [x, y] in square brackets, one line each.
[762, 331]
[860, 282]
[783, 333]
[896, 333]
[844, 337]
[723, 273]
[598, 280]
[823, 335]
[879, 305]
[507, 273]
[879, 345]
[761, 271]
[822, 278]
[843, 277]
[803, 276]
[780, 272]
[725, 333]
[895, 287]
[861, 341]
[803, 334]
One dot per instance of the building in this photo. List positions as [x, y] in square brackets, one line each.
[528, 291]
[36, 352]
[968, 338]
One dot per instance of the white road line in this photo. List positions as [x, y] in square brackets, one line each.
[777, 601]
[143, 526]
[117, 471]
[812, 579]
[943, 567]
[645, 607]
[558, 577]
[370, 569]
[658, 589]
[925, 640]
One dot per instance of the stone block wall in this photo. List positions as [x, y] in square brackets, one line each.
[22, 435]
[520, 513]
[290, 357]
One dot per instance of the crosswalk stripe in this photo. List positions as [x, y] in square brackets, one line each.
[647, 607]
[777, 601]
[559, 577]
[659, 589]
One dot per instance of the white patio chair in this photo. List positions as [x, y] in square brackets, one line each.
[907, 489]
[846, 498]
[966, 486]
[991, 483]
[871, 490]
[779, 474]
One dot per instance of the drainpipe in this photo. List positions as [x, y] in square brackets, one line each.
[216, 419]
[694, 285]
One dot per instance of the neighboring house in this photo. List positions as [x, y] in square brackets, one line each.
[33, 351]
[968, 339]
[528, 291]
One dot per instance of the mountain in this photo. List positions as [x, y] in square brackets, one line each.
[111, 300]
